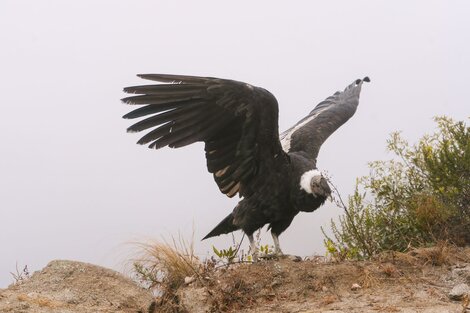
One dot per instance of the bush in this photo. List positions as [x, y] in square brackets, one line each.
[417, 199]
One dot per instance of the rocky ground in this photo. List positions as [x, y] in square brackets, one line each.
[68, 286]
[426, 280]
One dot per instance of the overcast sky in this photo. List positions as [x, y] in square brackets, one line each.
[73, 183]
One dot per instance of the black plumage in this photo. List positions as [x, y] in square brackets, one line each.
[275, 174]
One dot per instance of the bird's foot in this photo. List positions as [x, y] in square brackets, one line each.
[274, 255]
[253, 249]
[270, 256]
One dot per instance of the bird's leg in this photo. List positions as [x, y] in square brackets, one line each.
[277, 247]
[253, 249]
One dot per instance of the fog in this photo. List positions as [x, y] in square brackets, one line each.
[73, 183]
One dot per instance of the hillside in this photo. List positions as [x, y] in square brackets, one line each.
[423, 280]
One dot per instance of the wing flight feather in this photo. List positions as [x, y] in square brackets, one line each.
[310, 133]
[237, 122]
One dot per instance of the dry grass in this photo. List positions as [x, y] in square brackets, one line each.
[437, 255]
[368, 278]
[390, 270]
[20, 276]
[465, 304]
[162, 267]
[169, 261]
[443, 253]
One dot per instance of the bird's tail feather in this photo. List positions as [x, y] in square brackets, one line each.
[224, 227]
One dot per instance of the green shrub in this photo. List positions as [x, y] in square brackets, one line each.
[417, 199]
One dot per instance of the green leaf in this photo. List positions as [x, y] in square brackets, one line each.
[217, 252]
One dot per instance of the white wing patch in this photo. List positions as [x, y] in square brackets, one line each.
[287, 135]
[306, 179]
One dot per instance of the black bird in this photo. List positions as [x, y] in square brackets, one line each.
[275, 175]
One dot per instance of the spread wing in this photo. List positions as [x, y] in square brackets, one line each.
[237, 122]
[309, 133]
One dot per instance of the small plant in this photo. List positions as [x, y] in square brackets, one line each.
[227, 254]
[266, 249]
[20, 276]
[162, 267]
[234, 254]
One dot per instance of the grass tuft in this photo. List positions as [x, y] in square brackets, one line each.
[162, 267]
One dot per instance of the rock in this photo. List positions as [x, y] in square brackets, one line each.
[188, 280]
[294, 258]
[461, 274]
[459, 291]
[73, 287]
[355, 287]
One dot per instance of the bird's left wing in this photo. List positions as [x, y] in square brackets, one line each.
[237, 122]
[308, 134]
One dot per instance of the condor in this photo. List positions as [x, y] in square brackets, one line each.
[275, 175]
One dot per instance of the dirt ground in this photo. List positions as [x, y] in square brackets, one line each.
[413, 282]
[419, 281]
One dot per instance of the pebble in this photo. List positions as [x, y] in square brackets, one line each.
[294, 258]
[461, 273]
[459, 291]
[355, 287]
[188, 280]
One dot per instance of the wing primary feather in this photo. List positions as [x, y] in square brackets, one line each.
[155, 133]
[150, 109]
[183, 136]
[166, 89]
[157, 99]
[156, 108]
[169, 138]
[155, 120]
[169, 78]
[184, 141]
[225, 114]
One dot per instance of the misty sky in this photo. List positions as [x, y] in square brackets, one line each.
[73, 183]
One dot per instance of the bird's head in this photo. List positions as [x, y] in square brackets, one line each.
[313, 182]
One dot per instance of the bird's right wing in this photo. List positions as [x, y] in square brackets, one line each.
[237, 122]
[309, 133]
